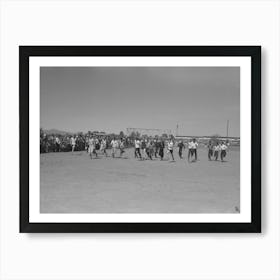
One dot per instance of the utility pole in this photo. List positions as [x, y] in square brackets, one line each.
[227, 127]
[177, 129]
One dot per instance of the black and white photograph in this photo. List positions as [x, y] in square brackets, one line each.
[139, 139]
[133, 139]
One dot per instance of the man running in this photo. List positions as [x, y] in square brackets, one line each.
[191, 150]
[86, 144]
[156, 146]
[210, 150]
[216, 151]
[161, 149]
[147, 148]
[137, 148]
[121, 145]
[91, 146]
[114, 144]
[223, 148]
[143, 147]
[73, 142]
[103, 146]
[181, 147]
[135, 153]
[97, 144]
[195, 145]
[57, 144]
[170, 146]
[150, 149]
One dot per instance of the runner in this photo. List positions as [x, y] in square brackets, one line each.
[97, 144]
[216, 151]
[210, 150]
[150, 149]
[161, 148]
[121, 145]
[170, 146]
[223, 148]
[86, 144]
[147, 148]
[181, 147]
[57, 144]
[91, 146]
[191, 150]
[73, 142]
[156, 146]
[195, 145]
[137, 147]
[135, 153]
[103, 146]
[114, 144]
[143, 146]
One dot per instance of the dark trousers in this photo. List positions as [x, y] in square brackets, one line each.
[171, 152]
[156, 151]
[190, 154]
[149, 153]
[57, 147]
[137, 151]
[210, 154]
[180, 152]
[216, 155]
[195, 154]
[161, 153]
[223, 154]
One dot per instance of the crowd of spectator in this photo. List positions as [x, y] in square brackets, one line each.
[62, 142]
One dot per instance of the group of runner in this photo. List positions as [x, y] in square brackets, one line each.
[156, 147]
[218, 149]
[94, 144]
[150, 148]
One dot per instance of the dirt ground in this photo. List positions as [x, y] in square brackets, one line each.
[73, 183]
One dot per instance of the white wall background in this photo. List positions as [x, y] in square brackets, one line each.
[148, 256]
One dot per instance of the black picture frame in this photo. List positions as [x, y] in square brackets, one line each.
[25, 52]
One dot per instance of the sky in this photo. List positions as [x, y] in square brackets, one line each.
[199, 99]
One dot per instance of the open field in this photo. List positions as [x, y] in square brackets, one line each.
[75, 184]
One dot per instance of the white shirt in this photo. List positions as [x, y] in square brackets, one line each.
[91, 141]
[114, 143]
[223, 147]
[73, 141]
[121, 144]
[170, 145]
[191, 145]
[137, 144]
[217, 148]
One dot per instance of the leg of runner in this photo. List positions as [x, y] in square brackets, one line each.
[189, 155]
[171, 152]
